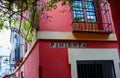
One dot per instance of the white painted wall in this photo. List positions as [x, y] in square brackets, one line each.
[4, 51]
[4, 67]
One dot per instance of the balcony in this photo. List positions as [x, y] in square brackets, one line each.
[92, 16]
[92, 27]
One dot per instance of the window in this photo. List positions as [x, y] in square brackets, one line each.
[95, 69]
[22, 76]
[84, 10]
[0, 67]
[91, 15]
[0, 63]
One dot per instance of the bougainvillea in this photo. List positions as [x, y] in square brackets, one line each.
[23, 15]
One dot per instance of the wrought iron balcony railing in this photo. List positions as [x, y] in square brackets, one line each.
[96, 27]
[91, 16]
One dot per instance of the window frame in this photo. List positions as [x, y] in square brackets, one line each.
[87, 54]
[83, 10]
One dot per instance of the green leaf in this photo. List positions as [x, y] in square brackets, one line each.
[30, 37]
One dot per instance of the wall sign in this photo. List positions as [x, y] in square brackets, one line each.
[67, 45]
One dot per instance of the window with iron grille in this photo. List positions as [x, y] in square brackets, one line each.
[91, 15]
[84, 11]
[95, 69]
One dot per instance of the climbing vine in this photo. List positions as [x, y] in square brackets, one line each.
[22, 16]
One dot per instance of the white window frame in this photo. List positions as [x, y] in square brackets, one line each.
[92, 54]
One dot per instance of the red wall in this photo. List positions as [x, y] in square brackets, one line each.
[54, 61]
[116, 16]
[31, 65]
[47, 62]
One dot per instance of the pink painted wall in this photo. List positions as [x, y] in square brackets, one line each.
[61, 21]
[31, 65]
[18, 72]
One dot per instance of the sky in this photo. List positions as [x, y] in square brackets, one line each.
[5, 42]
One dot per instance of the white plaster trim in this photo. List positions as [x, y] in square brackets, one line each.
[51, 35]
[92, 54]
